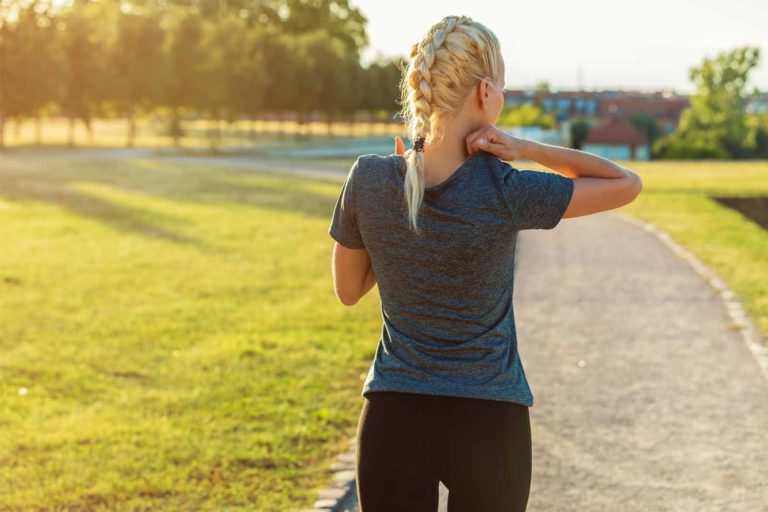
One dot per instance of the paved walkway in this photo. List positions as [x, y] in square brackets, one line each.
[644, 398]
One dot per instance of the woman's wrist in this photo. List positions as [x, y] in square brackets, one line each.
[571, 162]
[527, 148]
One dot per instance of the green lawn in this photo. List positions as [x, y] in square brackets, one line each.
[169, 337]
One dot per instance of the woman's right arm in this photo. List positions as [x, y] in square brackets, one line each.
[599, 184]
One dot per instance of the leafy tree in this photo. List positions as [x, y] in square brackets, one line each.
[526, 115]
[381, 92]
[319, 59]
[136, 65]
[83, 78]
[28, 64]
[647, 125]
[185, 72]
[280, 70]
[340, 20]
[759, 122]
[579, 131]
[542, 87]
[248, 92]
[225, 42]
[715, 125]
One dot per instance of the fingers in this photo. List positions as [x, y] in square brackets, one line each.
[474, 138]
[399, 146]
[478, 141]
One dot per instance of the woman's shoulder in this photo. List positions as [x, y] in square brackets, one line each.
[372, 166]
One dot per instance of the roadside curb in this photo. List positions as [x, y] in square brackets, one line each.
[342, 486]
[750, 335]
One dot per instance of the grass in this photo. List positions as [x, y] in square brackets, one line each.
[151, 132]
[165, 345]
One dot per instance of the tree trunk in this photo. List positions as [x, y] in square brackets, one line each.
[131, 128]
[39, 129]
[71, 132]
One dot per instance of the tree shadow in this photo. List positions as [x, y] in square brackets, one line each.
[49, 181]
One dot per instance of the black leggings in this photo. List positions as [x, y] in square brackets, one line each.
[408, 442]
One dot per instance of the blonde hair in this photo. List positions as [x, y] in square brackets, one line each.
[444, 66]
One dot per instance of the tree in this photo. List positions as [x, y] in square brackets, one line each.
[647, 125]
[185, 72]
[84, 73]
[136, 66]
[579, 131]
[526, 115]
[381, 91]
[280, 70]
[715, 125]
[336, 17]
[320, 57]
[542, 87]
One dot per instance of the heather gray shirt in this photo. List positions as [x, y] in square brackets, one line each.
[446, 295]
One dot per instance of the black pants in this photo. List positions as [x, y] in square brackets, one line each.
[408, 442]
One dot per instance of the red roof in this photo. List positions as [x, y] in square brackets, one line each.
[615, 131]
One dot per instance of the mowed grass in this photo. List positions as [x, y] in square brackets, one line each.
[169, 338]
[152, 133]
[677, 197]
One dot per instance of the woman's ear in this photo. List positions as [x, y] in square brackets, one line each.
[483, 93]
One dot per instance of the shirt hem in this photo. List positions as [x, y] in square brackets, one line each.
[458, 391]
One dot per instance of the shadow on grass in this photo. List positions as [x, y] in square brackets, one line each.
[25, 178]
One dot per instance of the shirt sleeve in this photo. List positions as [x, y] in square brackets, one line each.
[343, 226]
[537, 199]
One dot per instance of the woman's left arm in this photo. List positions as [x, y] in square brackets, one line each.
[370, 280]
[353, 275]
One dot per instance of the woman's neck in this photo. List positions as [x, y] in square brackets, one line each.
[440, 161]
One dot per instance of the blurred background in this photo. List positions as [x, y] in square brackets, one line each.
[169, 337]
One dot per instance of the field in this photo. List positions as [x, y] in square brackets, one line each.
[170, 339]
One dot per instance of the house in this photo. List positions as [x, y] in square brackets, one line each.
[617, 139]
[665, 107]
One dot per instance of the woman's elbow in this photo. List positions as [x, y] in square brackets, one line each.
[348, 301]
[346, 297]
[637, 185]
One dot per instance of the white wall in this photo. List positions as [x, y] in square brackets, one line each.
[616, 151]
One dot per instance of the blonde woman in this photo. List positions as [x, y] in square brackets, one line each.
[446, 398]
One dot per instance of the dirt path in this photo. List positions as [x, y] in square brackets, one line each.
[669, 410]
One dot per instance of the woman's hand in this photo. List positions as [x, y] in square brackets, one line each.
[400, 147]
[491, 139]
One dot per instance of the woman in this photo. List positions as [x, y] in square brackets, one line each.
[446, 398]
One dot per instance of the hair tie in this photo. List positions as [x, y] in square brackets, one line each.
[418, 144]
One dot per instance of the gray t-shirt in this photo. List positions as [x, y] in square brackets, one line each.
[446, 294]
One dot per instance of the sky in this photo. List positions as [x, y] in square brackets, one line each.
[587, 44]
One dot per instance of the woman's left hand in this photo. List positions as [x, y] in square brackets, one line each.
[400, 147]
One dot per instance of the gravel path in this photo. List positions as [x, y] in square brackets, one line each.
[645, 398]
[669, 410]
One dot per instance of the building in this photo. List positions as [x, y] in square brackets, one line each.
[617, 139]
[594, 106]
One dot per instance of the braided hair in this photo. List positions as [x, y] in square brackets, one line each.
[443, 68]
